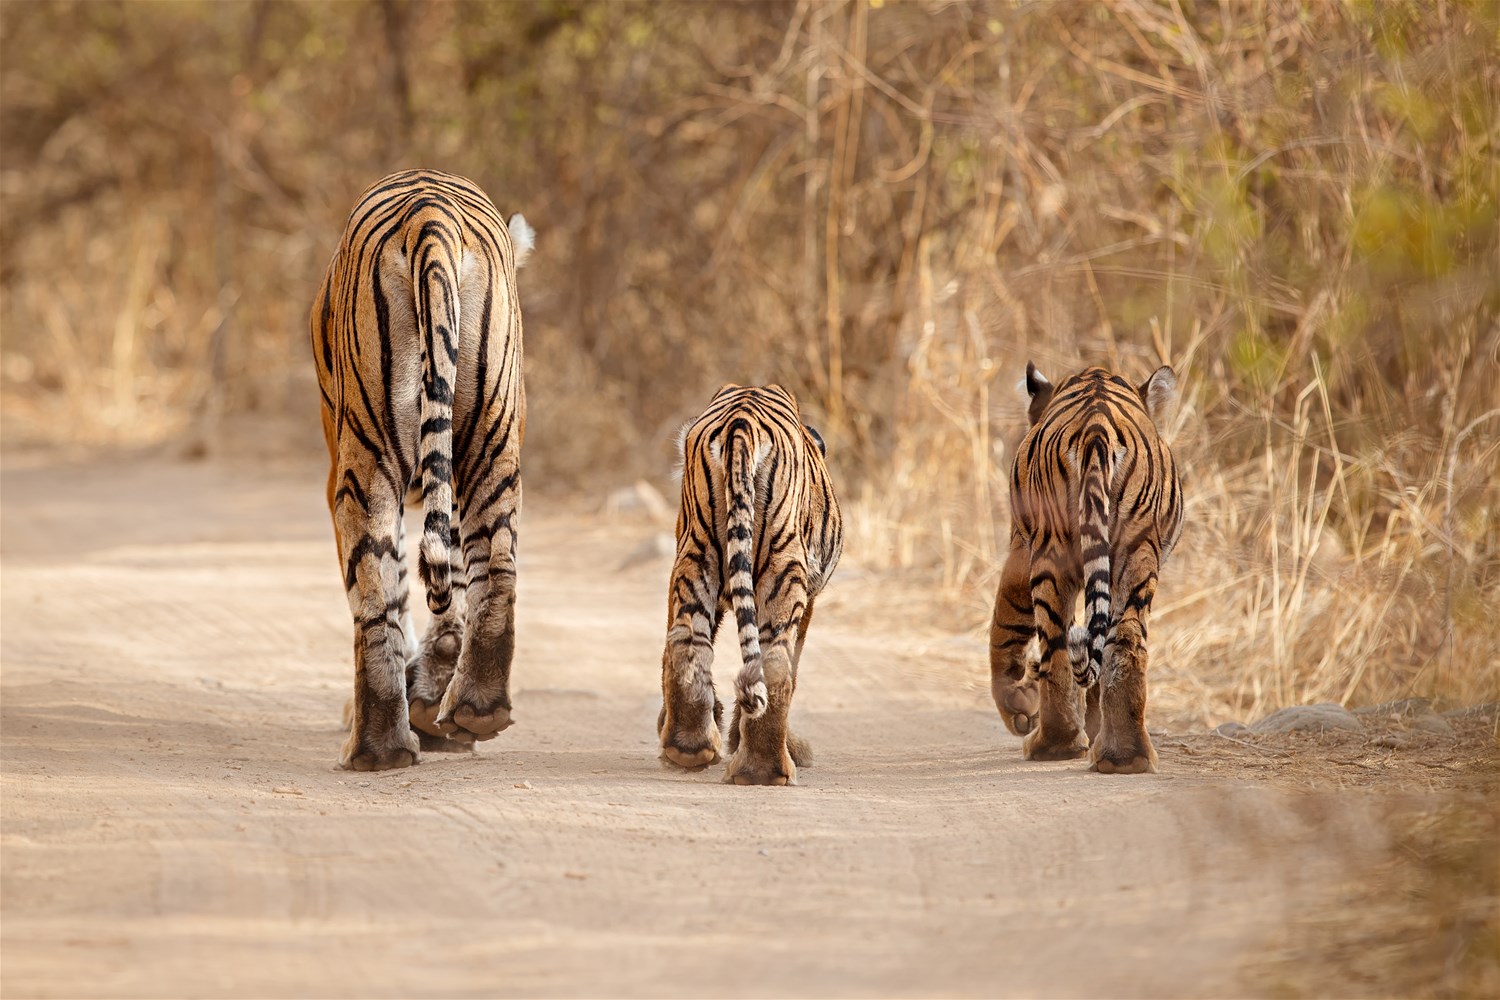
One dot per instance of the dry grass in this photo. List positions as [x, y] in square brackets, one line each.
[1275, 596]
[1291, 601]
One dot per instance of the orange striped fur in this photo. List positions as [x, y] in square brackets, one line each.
[758, 534]
[1096, 506]
[416, 333]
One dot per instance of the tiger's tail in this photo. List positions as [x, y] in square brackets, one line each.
[435, 249]
[1093, 537]
[739, 550]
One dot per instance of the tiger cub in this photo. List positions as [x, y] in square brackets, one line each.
[1095, 504]
[759, 533]
[416, 333]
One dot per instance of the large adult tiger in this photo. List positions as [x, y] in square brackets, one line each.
[759, 533]
[417, 336]
[1095, 502]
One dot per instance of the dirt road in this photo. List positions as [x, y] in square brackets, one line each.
[175, 653]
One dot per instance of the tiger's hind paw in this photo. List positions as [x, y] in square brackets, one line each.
[396, 749]
[380, 760]
[469, 712]
[466, 722]
[1037, 746]
[690, 761]
[1136, 756]
[424, 719]
[1135, 765]
[691, 751]
[746, 770]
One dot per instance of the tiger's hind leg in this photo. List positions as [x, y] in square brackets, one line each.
[426, 672]
[433, 662]
[365, 522]
[1012, 629]
[688, 726]
[1123, 746]
[477, 703]
[798, 747]
[762, 754]
[762, 751]
[1055, 581]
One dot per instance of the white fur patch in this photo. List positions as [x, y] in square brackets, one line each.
[761, 454]
[522, 237]
[1161, 395]
[679, 453]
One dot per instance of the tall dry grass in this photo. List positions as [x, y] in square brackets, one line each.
[888, 207]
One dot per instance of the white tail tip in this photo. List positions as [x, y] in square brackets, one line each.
[522, 236]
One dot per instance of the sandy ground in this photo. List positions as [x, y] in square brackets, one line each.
[175, 653]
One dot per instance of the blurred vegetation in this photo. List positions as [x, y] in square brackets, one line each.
[886, 206]
[1423, 921]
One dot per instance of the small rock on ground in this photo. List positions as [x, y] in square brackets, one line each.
[661, 545]
[1236, 730]
[1309, 719]
[639, 498]
[1432, 724]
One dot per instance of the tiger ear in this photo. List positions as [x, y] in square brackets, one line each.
[1159, 394]
[1040, 390]
[812, 432]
